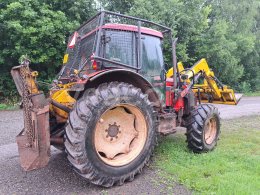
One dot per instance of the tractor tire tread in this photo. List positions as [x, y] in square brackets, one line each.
[195, 128]
[82, 114]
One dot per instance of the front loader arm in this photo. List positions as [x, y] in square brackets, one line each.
[212, 90]
[209, 82]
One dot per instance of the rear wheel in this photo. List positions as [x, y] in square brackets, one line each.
[111, 133]
[203, 128]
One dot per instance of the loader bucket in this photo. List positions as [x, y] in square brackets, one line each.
[34, 140]
[221, 96]
[228, 98]
[238, 97]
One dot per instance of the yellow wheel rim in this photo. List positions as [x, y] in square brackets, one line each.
[210, 130]
[120, 134]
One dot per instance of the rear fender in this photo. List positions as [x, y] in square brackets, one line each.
[120, 75]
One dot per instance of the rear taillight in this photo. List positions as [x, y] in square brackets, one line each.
[94, 62]
[94, 65]
[73, 40]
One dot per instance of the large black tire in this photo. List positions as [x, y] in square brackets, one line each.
[197, 125]
[82, 121]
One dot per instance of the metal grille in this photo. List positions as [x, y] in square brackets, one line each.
[120, 19]
[86, 50]
[89, 26]
[120, 47]
[115, 19]
[84, 47]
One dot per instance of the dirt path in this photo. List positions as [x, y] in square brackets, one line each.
[58, 177]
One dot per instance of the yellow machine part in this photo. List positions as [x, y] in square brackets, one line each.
[30, 79]
[31, 83]
[61, 96]
[220, 95]
[169, 74]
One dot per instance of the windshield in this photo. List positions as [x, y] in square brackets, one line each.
[121, 47]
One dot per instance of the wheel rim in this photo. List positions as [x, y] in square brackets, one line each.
[211, 130]
[120, 134]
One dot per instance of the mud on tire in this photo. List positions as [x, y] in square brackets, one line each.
[203, 128]
[80, 133]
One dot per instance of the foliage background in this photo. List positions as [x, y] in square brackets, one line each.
[226, 32]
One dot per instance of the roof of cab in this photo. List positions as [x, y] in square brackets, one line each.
[126, 27]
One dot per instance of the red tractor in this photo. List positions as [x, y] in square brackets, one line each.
[113, 96]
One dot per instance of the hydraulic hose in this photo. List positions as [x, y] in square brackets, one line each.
[60, 106]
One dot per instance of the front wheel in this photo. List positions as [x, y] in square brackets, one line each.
[203, 128]
[111, 133]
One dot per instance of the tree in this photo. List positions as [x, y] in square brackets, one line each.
[226, 32]
[231, 43]
[188, 20]
[38, 29]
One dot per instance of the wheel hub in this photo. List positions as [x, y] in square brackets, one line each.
[211, 130]
[120, 134]
[113, 130]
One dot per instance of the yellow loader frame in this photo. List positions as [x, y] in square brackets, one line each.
[211, 90]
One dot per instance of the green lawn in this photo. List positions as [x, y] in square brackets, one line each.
[232, 168]
[257, 93]
[8, 107]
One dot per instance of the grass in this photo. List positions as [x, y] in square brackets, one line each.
[8, 107]
[252, 94]
[232, 168]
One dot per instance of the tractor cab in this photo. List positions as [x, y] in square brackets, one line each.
[108, 41]
[118, 47]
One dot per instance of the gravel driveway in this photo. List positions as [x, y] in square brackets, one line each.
[246, 107]
[59, 178]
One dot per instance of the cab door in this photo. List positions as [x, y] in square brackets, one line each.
[153, 63]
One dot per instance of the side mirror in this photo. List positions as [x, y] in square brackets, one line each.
[166, 66]
[163, 75]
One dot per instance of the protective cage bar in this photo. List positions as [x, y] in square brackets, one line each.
[111, 17]
[95, 33]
